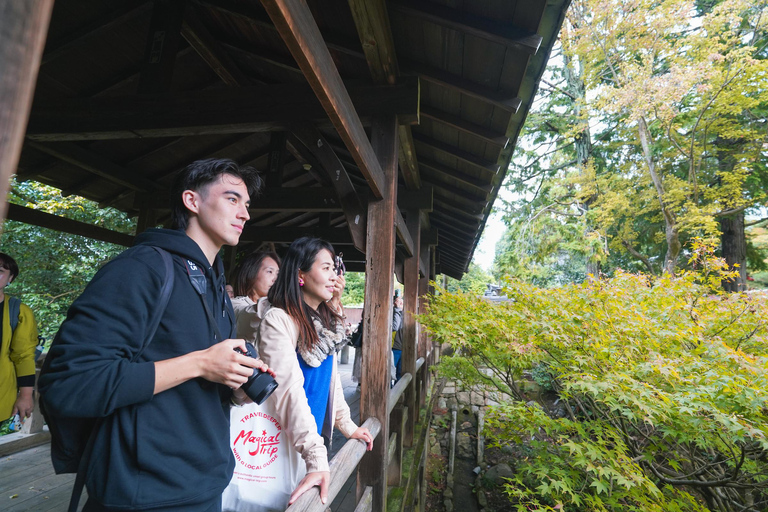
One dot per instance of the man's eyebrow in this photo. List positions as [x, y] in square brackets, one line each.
[237, 195]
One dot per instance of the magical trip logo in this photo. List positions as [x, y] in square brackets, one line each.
[256, 446]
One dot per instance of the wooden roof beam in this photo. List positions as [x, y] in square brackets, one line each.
[231, 110]
[462, 178]
[286, 235]
[298, 29]
[468, 23]
[199, 38]
[372, 22]
[464, 156]
[457, 122]
[506, 101]
[402, 232]
[73, 227]
[162, 46]
[354, 210]
[57, 47]
[95, 164]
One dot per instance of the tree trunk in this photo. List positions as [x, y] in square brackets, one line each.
[734, 244]
[671, 231]
[583, 147]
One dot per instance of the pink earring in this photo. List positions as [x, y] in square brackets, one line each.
[301, 282]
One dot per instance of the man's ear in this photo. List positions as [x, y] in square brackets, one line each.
[190, 199]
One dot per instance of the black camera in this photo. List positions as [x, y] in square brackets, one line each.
[261, 384]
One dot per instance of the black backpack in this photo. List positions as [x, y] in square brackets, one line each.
[72, 438]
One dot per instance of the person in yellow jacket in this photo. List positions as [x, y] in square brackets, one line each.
[17, 351]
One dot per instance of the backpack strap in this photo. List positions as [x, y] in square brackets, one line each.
[14, 309]
[165, 296]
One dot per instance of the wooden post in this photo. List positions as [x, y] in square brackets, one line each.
[397, 420]
[410, 329]
[23, 28]
[377, 328]
[424, 345]
[162, 46]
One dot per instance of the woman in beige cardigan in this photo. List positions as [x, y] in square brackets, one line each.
[302, 328]
[253, 278]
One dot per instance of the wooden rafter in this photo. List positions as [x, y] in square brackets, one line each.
[162, 47]
[372, 22]
[298, 29]
[354, 210]
[286, 235]
[464, 179]
[57, 223]
[476, 130]
[464, 156]
[62, 45]
[199, 38]
[235, 110]
[468, 23]
[504, 100]
[95, 164]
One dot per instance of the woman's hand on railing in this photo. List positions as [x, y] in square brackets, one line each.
[364, 435]
[319, 478]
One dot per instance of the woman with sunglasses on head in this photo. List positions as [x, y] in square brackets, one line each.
[302, 328]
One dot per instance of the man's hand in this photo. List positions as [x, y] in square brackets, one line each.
[321, 478]
[219, 363]
[25, 404]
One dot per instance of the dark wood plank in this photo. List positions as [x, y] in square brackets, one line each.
[486, 134]
[480, 184]
[199, 38]
[410, 310]
[95, 164]
[47, 220]
[298, 29]
[448, 149]
[286, 235]
[311, 140]
[277, 153]
[468, 23]
[23, 28]
[372, 22]
[101, 25]
[377, 328]
[230, 110]
[403, 233]
[163, 43]
[508, 101]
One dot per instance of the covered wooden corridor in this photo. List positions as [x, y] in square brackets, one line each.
[384, 127]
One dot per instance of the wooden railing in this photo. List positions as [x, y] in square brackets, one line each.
[345, 462]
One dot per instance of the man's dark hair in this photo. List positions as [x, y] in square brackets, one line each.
[201, 173]
[9, 264]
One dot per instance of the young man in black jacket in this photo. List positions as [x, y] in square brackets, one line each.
[163, 443]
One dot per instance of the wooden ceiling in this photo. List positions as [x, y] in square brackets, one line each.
[131, 91]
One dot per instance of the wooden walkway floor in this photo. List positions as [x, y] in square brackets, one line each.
[28, 483]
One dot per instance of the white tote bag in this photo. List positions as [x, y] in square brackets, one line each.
[267, 466]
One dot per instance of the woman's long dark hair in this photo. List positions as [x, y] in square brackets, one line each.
[286, 292]
[247, 271]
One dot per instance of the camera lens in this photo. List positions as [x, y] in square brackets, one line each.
[260, 385]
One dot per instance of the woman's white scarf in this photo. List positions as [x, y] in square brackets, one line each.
[328, 343]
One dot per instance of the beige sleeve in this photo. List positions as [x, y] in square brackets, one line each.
[342, 419]
[277, 348]
[247, 322]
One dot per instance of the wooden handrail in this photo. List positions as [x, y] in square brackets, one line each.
[342, 465]
[419, 362]
[396, 392]
[364, 505]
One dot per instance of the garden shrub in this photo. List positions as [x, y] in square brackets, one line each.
[665, 381]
